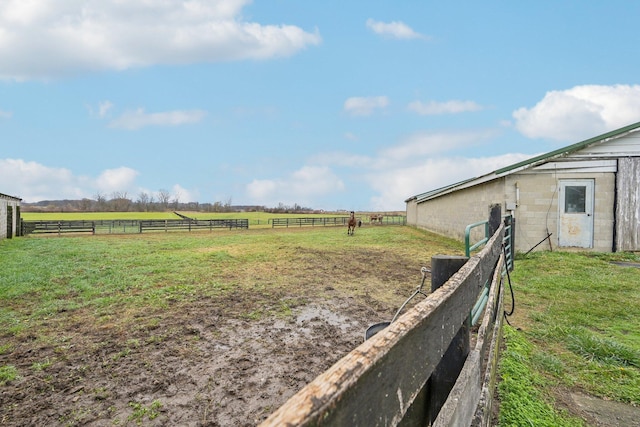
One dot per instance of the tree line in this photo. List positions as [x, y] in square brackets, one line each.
[161, 201]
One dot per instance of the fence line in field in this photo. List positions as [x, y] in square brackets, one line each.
[334, 221]
[128, 226]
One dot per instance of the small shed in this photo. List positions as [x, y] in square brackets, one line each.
[585, 195]
[9, 216]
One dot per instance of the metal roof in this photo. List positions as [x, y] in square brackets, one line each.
[526, 164]
[6, 196]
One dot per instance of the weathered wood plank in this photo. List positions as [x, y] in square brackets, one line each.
[461, 404]
[490, 347]
[376, 383]
[627, 205]
[460, 407]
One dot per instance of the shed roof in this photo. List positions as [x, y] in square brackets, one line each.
[526, 164]
[6, 196]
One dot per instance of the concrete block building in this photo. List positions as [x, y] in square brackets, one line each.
[9, 216]
[585, 195]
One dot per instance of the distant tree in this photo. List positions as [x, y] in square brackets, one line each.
[101, 201]
[120, 202]
[227, 205]
[85, 204]
[143, 201]
[163, 198]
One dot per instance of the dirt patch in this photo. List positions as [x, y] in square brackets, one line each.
[599, 412]
[197, 368]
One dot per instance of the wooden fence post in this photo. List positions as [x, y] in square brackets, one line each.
[446, 373]
[495, 218]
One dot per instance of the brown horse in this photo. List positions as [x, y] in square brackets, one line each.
[375, 219]
[352, 224]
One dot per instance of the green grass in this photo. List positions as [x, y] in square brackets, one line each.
[523, 401]
[109, 278]
[8, 373]
[577, 315]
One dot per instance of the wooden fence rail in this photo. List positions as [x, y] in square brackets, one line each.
[384, 381]
[333, 221]
[58, 227]
[189, 225]
[129, 226]
[310, 221]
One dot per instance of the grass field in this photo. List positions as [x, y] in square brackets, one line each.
[208, 328]
[575, 331]
[107, 327]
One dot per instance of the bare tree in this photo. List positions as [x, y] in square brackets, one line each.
[163, 198]
[101, 201]
[143, 201]
[227, 205]
[176, 201]
[85, 204]
[120, 201]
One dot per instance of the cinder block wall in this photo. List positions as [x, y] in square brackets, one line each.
[536, 209]
[450, 214]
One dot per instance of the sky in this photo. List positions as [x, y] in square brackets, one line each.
[332, 105]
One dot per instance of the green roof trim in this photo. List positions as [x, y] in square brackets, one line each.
[569, 149]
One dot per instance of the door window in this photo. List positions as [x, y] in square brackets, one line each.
[575, 199]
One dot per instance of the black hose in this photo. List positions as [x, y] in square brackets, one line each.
[513, 298]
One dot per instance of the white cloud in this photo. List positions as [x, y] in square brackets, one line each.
[365, 106]
[5, 114]
[394, 186]
[41, 39]
[183, 195]
[104, 107]
[137, 119]
[448, 107]
[580, 112]
[427, 144]
[418, 163]
[395, 29]
[299, 187]
[38, 182]
[116, 180]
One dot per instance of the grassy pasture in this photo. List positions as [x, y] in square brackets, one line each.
[575, 327]
[107, 327]
[575, 330]
[41, 277]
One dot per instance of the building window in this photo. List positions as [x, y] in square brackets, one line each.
[575, 199]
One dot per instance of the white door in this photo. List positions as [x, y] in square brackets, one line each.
[575, 227]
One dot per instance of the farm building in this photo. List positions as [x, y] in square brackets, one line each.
[585, 195]
[9, 216]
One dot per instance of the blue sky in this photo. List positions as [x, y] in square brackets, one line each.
[352, 105]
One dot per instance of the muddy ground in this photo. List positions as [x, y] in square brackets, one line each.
[199, 367]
